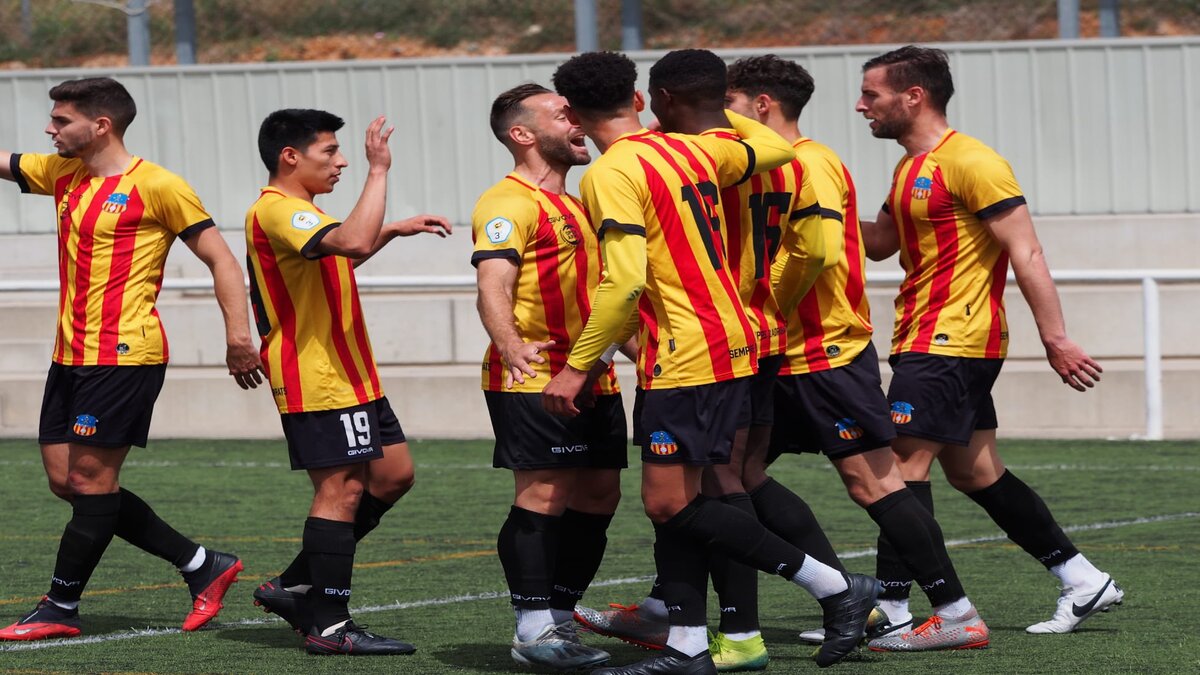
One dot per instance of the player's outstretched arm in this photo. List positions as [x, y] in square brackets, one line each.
[770, 149]
[495, 278]
[6, 171]
[241, 356]
[881, 239]
[407, 228]
[357, 235]
[799, 262]
[1014, 230]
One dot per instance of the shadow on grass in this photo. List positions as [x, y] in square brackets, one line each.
[275, 637]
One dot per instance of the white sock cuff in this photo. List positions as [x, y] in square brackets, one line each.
[196, 561]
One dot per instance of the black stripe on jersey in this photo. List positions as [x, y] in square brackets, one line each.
[752, 160]
[609, 223]
[309, 250]
[886, 208]
[510, 253]
[196, 228]
[14, 165]
[261, 320]
[810, 210]
[1000, 207]
[832, 215]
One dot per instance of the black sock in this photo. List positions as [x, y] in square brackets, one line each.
[527, 546]
[917, 540]
[1026, 519]
[139, 525]
[736, 584]
[721, 527]
[682, 563]
[582, 539]
[787, 515]
[889, 568]
[366, 518]
[329, 546]
[86, 536]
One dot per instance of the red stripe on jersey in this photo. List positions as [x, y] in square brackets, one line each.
[908, 289]
[64, 236]
[360, 334]
[121, 261]
[945, 231]
[996, 301]
[83, 264]
[855, 283]
[331, 283]
[285, 314]
[495, 369]
[692, 280]
[582, 300]
[809, 313]
[649, 343]
[553, 304]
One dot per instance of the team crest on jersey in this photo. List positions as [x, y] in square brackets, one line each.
[569, 234]
[117, 202]
[941, 339]
[498, 230]
[848, 429]
[85, 425]
[305, 220]
[902, 412]
[833, 351]
[662, 443]
[922, 188]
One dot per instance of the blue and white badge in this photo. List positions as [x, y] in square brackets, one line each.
[305, 220]
[499, 230]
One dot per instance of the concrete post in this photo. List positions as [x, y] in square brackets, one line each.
[185, 32]
[138, 26]
[587, 26]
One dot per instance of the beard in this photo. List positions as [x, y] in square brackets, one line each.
[561, 151]
[896, 125]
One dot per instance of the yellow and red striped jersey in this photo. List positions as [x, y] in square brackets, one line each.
[951, 301]
[315, 347]
[113, 236]
[550, 239]
[754, 213]
[832, 323]
[666, 188]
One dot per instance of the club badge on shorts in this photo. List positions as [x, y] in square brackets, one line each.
[85, 425]
[662, 443]
[902, 412]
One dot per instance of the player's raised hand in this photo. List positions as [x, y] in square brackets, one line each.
[423, 223]
[1073, 365]
[245, 363]
[379, 155]
[517, 359]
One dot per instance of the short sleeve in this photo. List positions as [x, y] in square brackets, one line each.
[614, 200]
[827, 181]
[985, 184]
[502, 225]
[178, 208]
[37, 173]
[297, 225]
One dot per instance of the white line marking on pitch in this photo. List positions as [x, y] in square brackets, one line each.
[492, 595]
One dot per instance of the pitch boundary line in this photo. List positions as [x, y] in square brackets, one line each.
[492, 595]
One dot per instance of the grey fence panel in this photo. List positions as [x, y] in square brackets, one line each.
[1090, 127]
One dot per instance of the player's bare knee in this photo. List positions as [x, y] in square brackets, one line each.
[661, 510]
[60, 489]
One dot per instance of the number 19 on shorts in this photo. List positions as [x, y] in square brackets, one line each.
[358, 429]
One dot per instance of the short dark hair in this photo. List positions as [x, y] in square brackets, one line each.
[98, 97]
[292, 128]
[785, 81]
[510, 106]
[924, 67]
[695, 76]
[597, 82]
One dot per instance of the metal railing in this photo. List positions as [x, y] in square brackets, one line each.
[1148, 278]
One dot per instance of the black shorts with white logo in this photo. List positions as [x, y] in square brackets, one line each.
[942, 398]
[758, 408]
[325, 438]
[529, 438]
[101, 406]
[838, 412]
[691, 425]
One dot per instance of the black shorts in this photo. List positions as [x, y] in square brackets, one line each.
[942, 398]
[758, 408]
[529, 438]
[692, 425]
[838, 412]
[101, 406]
[325, 438]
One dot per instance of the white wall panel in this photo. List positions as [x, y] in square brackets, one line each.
[1090, 127]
